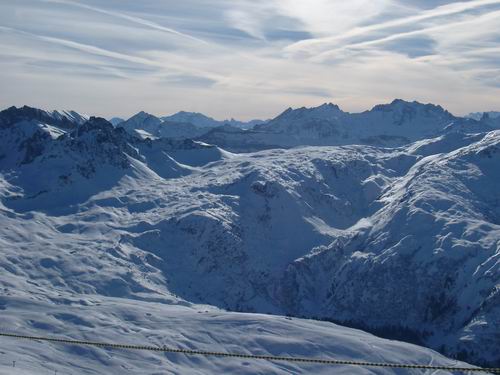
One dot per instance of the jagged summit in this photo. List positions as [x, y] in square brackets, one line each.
[144, 116]
[324, 111]
[94, 145]
[479, 115]
[142, 124]
[403, 105]
[202, 121]
[195, 118]
[399, 122]
[73, 116]
[491, 119]
[145, 125]
[98, 125]
[64, 119]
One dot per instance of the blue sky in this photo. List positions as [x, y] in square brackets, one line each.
[248, 58]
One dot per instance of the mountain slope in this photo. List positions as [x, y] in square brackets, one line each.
[62, 119]
[397, 240]
[391, 125]
[439, 226]
[179, 324]
[115, 121]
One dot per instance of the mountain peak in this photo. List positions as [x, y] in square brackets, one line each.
[329, 105]
[63, 119]
[95, 124]
[142, 114]
[141, 118]
[398, 101]
[403, 105]
[324, 111]
[195, 118]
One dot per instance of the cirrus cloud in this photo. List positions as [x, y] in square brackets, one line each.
[248, 58]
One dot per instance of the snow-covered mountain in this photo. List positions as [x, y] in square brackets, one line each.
[176, 323]
[76, 160]
[146, 125]
[62, 119]
[142, 124]
[479, 115]
[182, 125]
[99, 228]
[393, 124]
[202, 121]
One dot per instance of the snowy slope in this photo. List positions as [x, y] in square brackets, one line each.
[428, 255]
[338, 233]
[25, 131]
[72, 116]
[142, 124]
[179, 324]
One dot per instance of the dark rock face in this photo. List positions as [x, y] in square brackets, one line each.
[404, 112]
[105, 143]
[13, 115]
[34, 146]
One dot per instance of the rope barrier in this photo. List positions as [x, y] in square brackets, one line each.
[247, 356]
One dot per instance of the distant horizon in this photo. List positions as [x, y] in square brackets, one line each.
[248, 59]
[227, 118]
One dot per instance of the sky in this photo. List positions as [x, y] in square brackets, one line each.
[247, 58]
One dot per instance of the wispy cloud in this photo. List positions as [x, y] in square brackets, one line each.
[327, 17]
[248, 58]
[134, 19]
[159, 66]
[434, 33]
[318, 45]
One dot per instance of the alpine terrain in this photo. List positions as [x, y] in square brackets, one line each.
[319, 233]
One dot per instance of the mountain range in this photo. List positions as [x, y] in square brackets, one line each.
[181, 232]
[390, 125]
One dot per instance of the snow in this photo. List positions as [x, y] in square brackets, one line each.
[146, 125]
[202, 121]
[73, 116]
[390, 125]
[394, 124]
[99, 228]
[180, 325]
